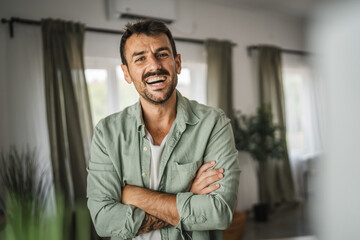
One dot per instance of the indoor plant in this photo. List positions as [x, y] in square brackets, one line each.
[260, 137]
[27, 187]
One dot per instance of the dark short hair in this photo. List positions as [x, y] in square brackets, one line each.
[148, 27]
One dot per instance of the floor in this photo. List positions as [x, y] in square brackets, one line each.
[290, 222]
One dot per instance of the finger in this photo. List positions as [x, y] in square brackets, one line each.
[210, 189]
[205, 167]
[214, 178]
[210, 172]
[210, 180]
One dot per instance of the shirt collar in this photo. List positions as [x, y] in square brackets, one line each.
[184, 114]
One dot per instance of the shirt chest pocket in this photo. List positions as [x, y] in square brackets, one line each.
[183, 174]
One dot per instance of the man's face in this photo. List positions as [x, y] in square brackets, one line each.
[151, 66]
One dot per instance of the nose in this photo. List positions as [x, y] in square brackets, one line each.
[154, 63]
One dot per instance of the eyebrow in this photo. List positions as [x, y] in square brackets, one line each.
[162, 49]
[157, 50]
[138, 53]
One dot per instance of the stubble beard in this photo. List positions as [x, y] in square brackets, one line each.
[157, 101]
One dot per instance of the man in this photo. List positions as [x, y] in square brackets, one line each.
[152, 171]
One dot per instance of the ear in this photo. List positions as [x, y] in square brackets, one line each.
[126, 73]
[178, 63]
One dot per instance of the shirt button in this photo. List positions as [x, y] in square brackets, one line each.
[143, 174]
[145, 149]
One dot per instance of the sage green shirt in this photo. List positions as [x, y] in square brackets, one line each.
[120, 155]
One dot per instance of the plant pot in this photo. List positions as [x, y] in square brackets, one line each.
[261, 212]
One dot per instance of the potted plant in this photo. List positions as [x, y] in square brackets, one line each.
[27, 189]
[260, 137]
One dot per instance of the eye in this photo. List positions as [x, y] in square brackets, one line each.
[140, 59]
[162, 55]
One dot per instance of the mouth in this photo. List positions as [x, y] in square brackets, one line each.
[155, 80]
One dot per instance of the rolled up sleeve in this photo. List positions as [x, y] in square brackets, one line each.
[110, 217]
[213, 211]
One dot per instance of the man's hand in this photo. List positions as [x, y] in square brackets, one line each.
[205, 177]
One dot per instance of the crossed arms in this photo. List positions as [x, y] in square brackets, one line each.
[160, 208]
[122, 212]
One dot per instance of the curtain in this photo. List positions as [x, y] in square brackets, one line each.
[219, 75]
[69, 119]
[275, 176]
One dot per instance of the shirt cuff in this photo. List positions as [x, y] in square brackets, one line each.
[135, 216]
[182, 204]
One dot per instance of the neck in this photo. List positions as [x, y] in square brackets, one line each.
[158, 118]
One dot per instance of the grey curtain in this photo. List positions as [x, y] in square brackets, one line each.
[69, 119]
[277, 182]
[219, 75]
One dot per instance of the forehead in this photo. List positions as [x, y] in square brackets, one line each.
[143, 42]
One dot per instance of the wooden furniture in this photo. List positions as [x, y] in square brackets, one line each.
[237, 227]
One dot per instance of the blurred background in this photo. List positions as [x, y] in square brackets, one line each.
[284, 71]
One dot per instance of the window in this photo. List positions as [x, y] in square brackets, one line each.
[110, 93]
[97, 87]
[300, 113]
[293, 86]
[302, 125]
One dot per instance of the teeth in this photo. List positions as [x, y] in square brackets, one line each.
[156, 79]
[156, 84]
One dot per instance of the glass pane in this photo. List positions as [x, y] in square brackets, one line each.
[192, 81]
[184, 83]
[293, 86]
[127, 92]
[97, 86]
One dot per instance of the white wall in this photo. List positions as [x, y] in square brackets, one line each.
[195, 19]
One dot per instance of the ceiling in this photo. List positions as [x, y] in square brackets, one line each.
[297, 8]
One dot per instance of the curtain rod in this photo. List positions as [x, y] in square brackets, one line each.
[289, 51]
[13, 20]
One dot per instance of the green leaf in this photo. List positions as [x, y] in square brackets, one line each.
[258, 135]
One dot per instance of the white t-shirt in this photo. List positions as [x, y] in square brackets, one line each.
[156, 153]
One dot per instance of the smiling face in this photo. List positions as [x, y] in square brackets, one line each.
[151, 66]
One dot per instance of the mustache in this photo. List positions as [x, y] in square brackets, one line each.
[157, 72]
